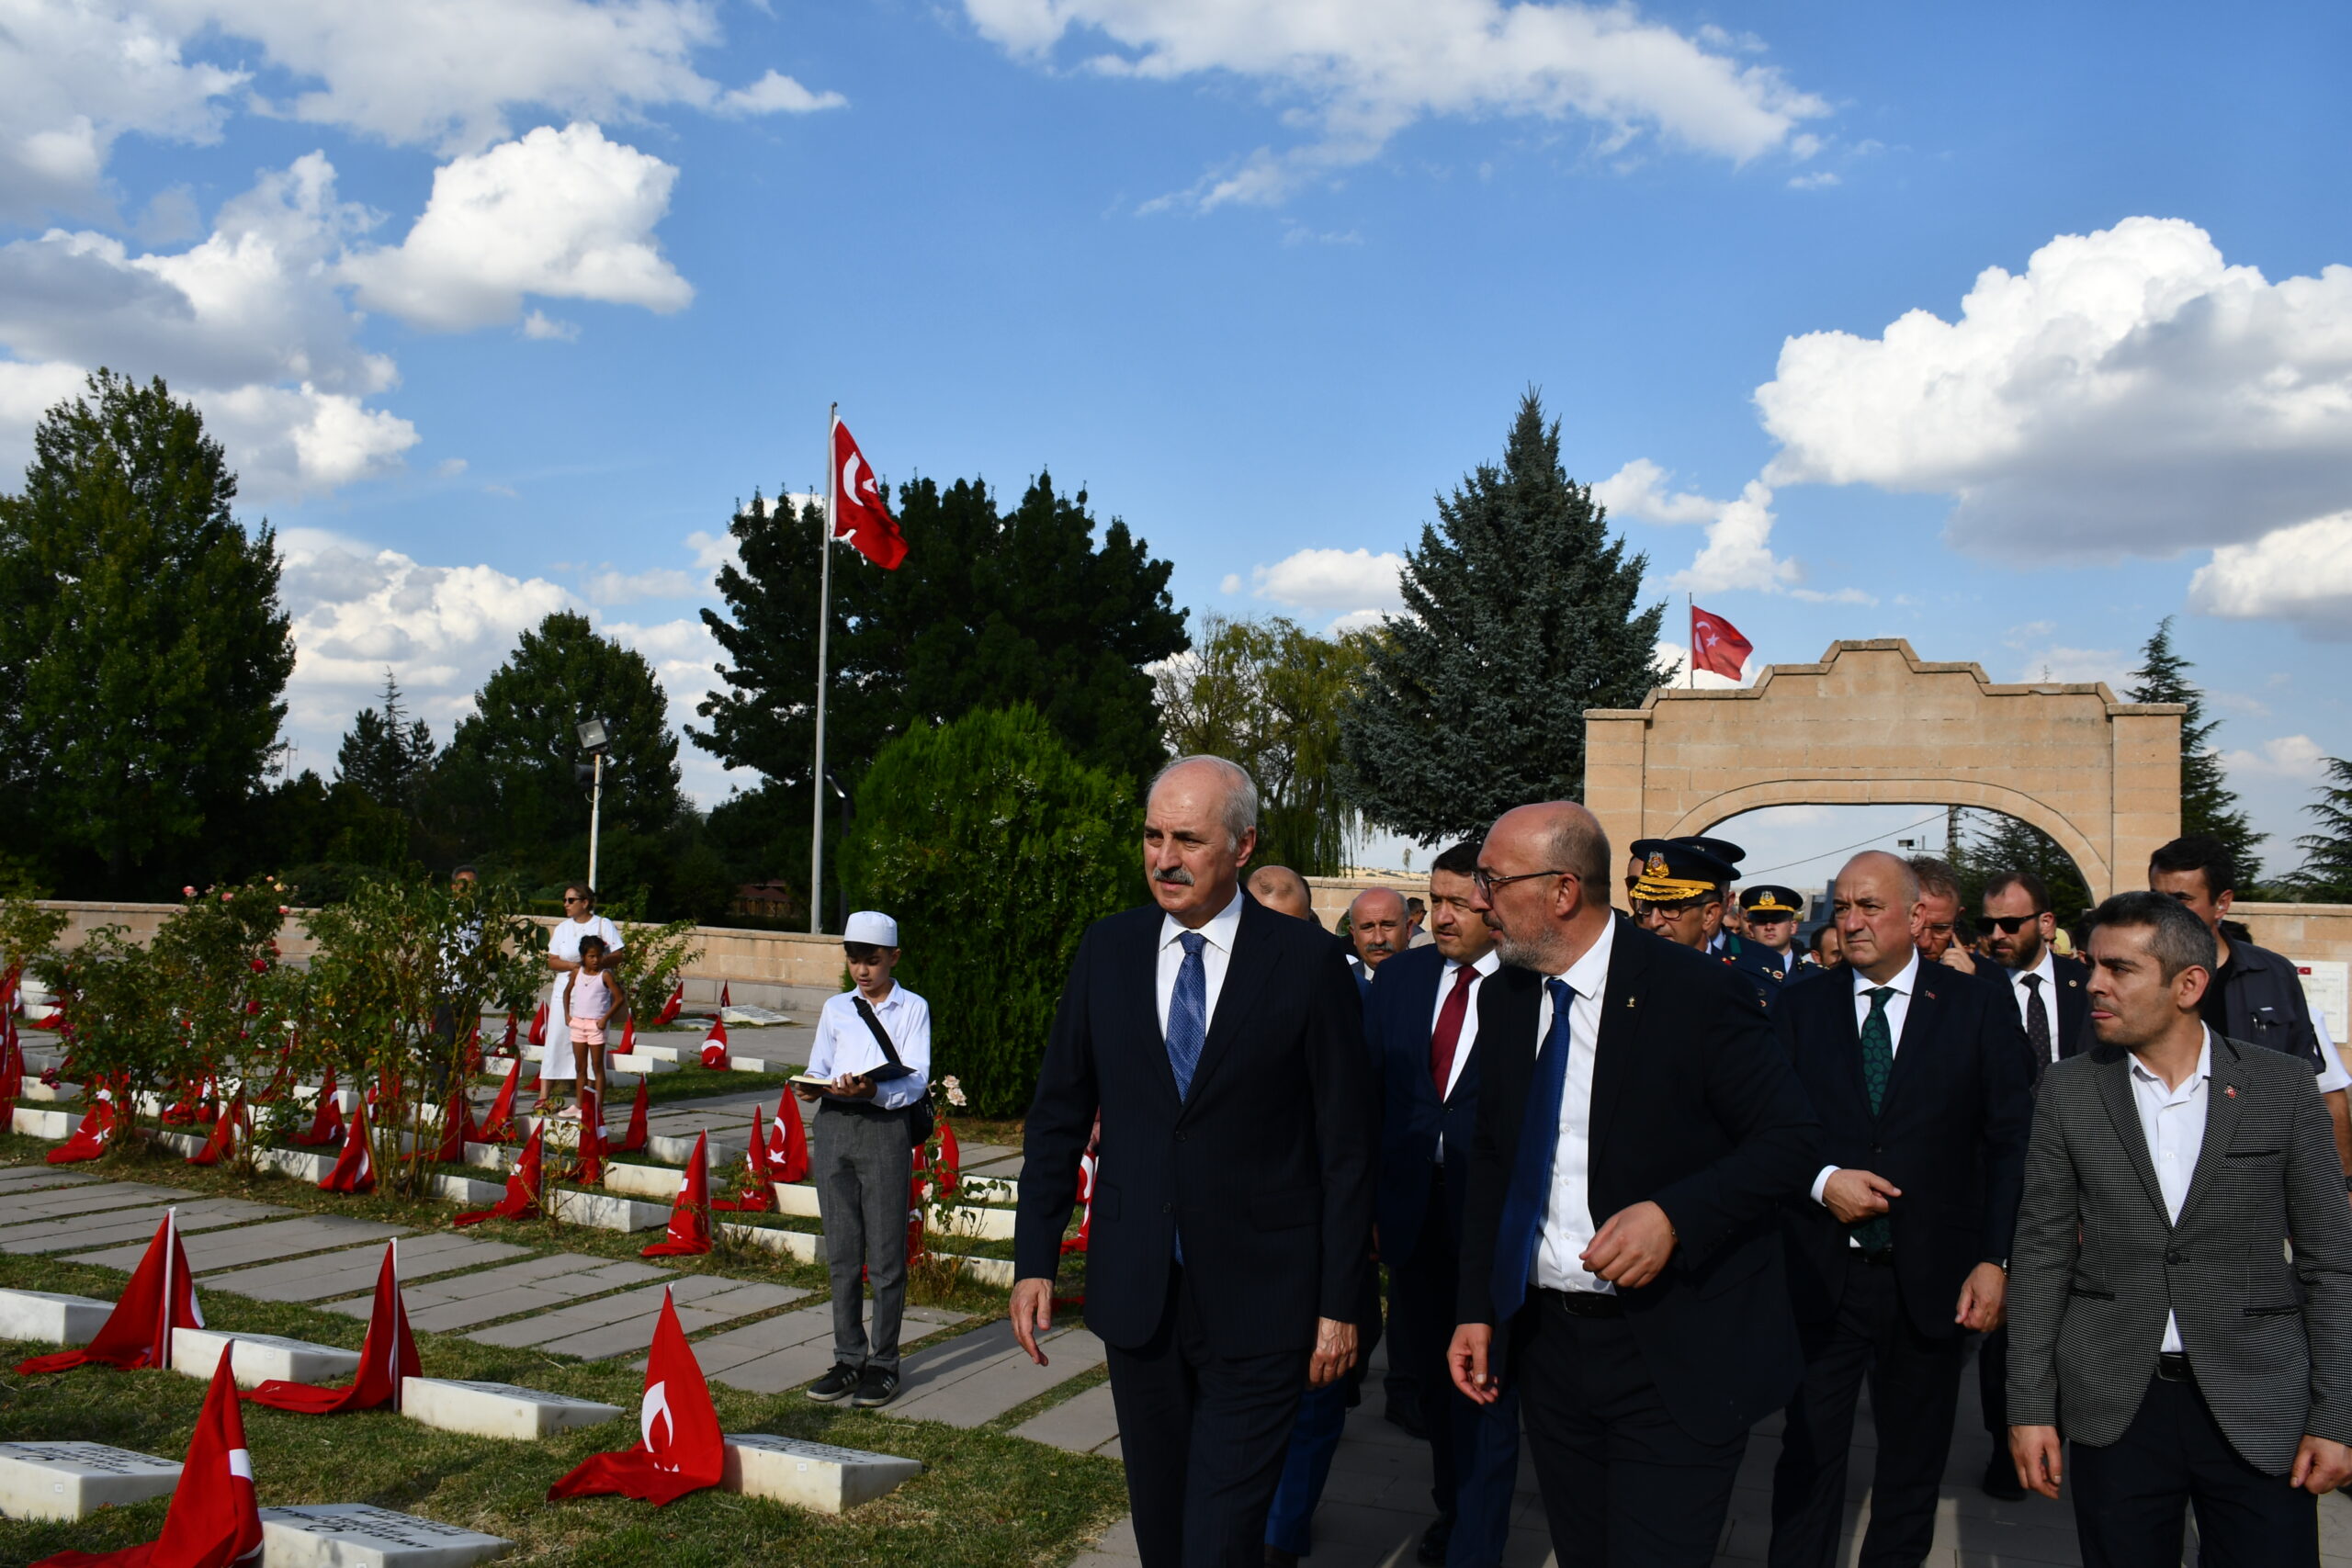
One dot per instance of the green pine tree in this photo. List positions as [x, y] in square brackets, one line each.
[1522, 611]
[143, 652]
[2325, 877]
[2207, 805]
[385, 756]
[1999, 844]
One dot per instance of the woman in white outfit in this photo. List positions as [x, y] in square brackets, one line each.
[580, 919]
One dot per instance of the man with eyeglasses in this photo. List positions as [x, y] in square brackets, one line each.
[1621, 1263]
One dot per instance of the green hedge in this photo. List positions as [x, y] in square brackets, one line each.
[993, 848]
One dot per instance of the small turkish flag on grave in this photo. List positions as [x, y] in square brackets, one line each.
[214, 1521]
[522, 1194]
[222, 1144]
[859, 513]
[790, 1160]
[327, 1126]
[634, 1140]
[592, 1137]
[678, 1449]
[1717, 646]
[89, 1139]
[138, 1333]
[726, 996]
[714, 1045]
[629, 1036]
[457, 1127]
[499, 1124]
[355, 1169]
[689, 1230]
[387, 1355]
[539, 1025]
[669, 1013]
[759, 1192]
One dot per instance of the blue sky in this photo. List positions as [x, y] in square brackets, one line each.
[500, 307]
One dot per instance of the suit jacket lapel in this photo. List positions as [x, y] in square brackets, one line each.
[2224, 1097]
[2115, 1093]
[1244, 976]
[1145, 997]
[1621, 1016]
[1911, 1051]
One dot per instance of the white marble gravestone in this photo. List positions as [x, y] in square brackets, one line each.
[811, 1475]
[353, 1535]
[261, 1357]
[47, 1318]
[496, 1409]
[71, 1481]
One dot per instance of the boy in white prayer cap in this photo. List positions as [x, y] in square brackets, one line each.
[873, 1048]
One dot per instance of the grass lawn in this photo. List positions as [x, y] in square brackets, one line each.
[989, 1498]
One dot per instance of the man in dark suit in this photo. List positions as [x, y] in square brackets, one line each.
[2054, 1010]
[2181, 1295]
[1637, 1131]
[1422, 1024]
[1919, 1076]
[1222, 1045]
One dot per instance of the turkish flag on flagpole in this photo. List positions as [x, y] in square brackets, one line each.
[1717, 646]
[214, 1520]
[860, 515]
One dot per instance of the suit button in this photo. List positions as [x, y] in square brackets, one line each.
[2173, 1257]
[1167, 1208]
[1179, 1137]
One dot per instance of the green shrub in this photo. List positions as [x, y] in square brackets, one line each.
[993, 848]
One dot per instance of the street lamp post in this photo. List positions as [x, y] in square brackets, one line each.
[848, 811]
[595, 738]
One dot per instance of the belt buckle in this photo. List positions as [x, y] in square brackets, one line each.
[2172, 1366]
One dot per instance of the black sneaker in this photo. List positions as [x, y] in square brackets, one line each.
[833, 1384]
[877, 1387]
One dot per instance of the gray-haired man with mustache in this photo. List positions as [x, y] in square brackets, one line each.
[1376, 928]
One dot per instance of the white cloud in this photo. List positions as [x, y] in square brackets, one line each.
[1819, 179]
[286, 441]
[545, 328]
[610, 587]
[777, 93]
[1675, 659]
[1356, 621]
[2287, 756]
[1639, 490]
[2058, 662]
[2302, 573]
[1331, 579]
[1738, 553]
[562, 213]
[1231, 584]
[2129, 393]
[1356, 73]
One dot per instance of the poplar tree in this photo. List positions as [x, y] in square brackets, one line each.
[1521, 611]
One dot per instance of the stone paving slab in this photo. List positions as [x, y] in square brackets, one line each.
[48, 1205]
[1083, 1424]
[126, 1225]
[18, 1179]
[260, 1244]
[317, 1279]
[590, 1277]
[616, 1326]
[979, 1376]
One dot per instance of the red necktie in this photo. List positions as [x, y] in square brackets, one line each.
[1449, 1027]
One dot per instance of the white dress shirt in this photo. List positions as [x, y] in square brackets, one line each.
[1217, 956]
[2048, 970]
[1899, 1007]
[1568, 1227]
[2173, 1121]
[2331, 1075]
[844, 1044]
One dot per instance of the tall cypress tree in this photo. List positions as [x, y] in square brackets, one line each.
[1522, 611]
[2207, 805]
[2326, 873]
[143, 652]
[385, 756]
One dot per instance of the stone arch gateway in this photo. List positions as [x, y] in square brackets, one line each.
[1872, 724]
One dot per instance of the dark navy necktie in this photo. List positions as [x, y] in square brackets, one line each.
[1530, 1173]
[1188, 1023]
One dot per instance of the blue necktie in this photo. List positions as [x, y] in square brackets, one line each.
[1530, 1173]
[1188, 1022]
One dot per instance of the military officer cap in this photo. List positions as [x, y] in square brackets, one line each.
[1766, 902]
[1676, 871]
[1723, 850]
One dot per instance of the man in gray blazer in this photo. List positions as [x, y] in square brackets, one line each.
[2181, 1287]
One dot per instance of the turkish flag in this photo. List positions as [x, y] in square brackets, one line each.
[522, 1194]
[222, 1144]
[788, 1153]
[689, 1232]
[1717, 646]
[633, 1138]
[859, 513]
[214, 1521]
[138, 1333]
[668, 1012]
[327, 1126]
[678, 1449]
[498, 1127]
[759, 1192]
[355, 1169]
[591, 1150]
[388, 1356]
[714, 1045]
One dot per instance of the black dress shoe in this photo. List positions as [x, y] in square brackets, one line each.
[1434, 1540]
[1277, 1558]
[1407, 1416]
[2001, 1479]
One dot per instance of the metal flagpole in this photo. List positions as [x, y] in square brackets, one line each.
[824, 623]
[1690, 665]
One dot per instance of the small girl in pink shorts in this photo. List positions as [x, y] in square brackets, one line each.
[591, 996]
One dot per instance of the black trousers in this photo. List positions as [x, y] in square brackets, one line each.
[1204, 1437]
[1623, 1485]
[1915, 1390]
[1993, 1387]
[2129, 1494]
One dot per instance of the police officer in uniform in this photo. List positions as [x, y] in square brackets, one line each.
[1769, 947]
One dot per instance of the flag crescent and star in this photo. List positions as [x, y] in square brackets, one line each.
[1717, 646]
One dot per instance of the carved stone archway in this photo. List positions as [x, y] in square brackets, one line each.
[1874, 725]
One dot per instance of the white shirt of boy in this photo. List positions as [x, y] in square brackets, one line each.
[844, 1044]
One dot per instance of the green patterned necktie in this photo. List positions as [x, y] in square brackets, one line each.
[1878, 1066]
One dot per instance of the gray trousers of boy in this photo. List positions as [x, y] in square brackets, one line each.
[863, 1169]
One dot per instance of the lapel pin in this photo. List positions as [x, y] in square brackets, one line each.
[2229, 1089]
